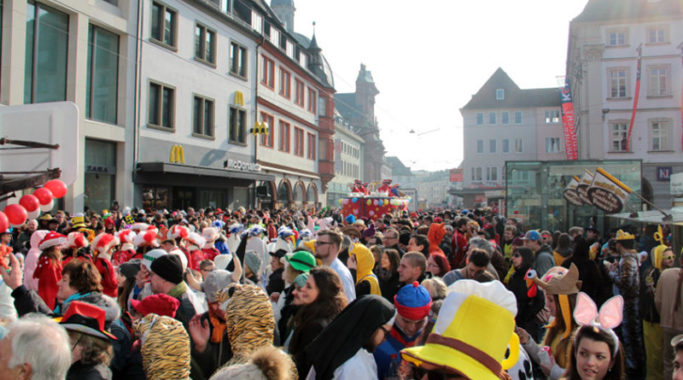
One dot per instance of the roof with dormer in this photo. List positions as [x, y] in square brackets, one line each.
[624, 10]
[513, 95]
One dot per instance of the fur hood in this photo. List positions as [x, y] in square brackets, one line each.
[267, 363]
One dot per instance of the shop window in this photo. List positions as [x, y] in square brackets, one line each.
[100, 174]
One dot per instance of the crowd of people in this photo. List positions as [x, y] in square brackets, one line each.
[289, 294]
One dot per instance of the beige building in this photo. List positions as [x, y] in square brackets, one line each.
[83, 52]
[602, 68]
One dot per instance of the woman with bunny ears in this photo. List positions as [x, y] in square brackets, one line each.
[597, 352]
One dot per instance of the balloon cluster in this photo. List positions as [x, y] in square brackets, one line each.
[30, 205]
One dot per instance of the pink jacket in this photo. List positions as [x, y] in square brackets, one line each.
[31, 261]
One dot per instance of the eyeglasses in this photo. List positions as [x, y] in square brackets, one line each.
[516, 255]
[318, 242]
[670, 257]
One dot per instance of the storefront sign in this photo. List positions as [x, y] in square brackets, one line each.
[664, 173]
[571, 194]
[584, 185]
[239, 99]
[608, 193]
[177, 154]
[244, 166]
[456, 175]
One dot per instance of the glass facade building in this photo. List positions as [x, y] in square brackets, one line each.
[534, 193]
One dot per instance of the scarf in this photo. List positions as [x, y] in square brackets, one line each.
[218, 328]
[58, 308]
[178, 290]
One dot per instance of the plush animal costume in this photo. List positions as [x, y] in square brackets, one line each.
[165, 348]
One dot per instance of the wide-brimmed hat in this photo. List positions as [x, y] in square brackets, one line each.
[470, 337]
[302, 261]
[77, 222]
[85, 318]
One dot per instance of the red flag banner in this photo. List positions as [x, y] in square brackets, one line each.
[568, 122]
[635, 99]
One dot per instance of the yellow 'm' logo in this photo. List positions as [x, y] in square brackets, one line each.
[177, 154]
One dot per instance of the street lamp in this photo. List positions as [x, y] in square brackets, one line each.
[412, 131]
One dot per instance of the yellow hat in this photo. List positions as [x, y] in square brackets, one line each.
[621, 235]
[470, 337]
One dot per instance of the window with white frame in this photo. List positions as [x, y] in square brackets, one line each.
[659, 80]
[618, 136]
[505, 117]
[492, 174]
[552, 116]
[552, 145]
[660, 135]
[492, 146]
[617, 82]
[657, 34]
[492, 118]
[238, 60]
[480, 146]
[519, 146]
[500, 94]
[505, 146]
[617, 36]
[518, 117]
[476, 174]
[480, 118]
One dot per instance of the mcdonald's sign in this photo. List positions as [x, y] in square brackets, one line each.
[260, 128]
[239, 98]
[177, 154]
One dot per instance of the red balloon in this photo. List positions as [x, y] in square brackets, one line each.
[44, 195]
[30, 202]
[57, 187]
[4, 222]
[16, 214]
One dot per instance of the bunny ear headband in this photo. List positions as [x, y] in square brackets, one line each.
[610, 316]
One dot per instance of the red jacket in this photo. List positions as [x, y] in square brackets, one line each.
[459, 243]
[48, 272]
[109, 282]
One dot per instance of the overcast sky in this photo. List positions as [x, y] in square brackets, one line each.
[428, 57]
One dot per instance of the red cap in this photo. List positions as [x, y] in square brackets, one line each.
[161, 304]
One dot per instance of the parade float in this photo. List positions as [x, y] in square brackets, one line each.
[368, 203]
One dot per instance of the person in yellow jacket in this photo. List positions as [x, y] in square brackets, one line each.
[363, 261]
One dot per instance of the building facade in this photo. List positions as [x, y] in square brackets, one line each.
[359, 109]
[602, 65]
[505, 123]
[348, 160]
[79, 52]
[193, 145]
[169, 93]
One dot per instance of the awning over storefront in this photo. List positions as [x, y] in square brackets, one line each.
[163, 167]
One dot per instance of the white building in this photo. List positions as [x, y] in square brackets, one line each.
[197, 99]
[348, 160]
[602, 66]
[505, 123]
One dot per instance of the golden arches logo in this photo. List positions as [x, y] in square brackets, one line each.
[260, 128]
[177, 154]
[239, 98]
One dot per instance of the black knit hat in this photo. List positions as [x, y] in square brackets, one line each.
[168, 267]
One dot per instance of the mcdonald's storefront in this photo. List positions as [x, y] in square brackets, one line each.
[176, 175]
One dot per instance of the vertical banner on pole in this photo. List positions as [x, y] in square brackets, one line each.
[635, 98]
[568, 122]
